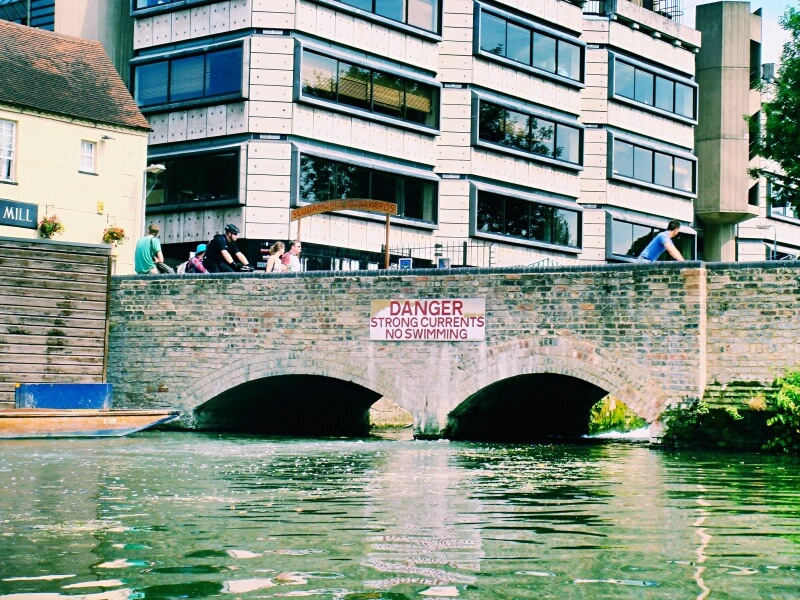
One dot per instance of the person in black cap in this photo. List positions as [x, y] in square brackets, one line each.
[223, 255]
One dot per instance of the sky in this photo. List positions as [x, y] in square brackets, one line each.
[772, 36]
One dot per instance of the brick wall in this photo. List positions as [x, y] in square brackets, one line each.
[635, 331]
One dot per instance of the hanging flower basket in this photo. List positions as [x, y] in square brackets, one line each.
[50, 226]
[114, 235]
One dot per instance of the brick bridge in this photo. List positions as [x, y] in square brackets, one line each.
[291, 353]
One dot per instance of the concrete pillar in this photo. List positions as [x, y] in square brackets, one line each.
[720, 242]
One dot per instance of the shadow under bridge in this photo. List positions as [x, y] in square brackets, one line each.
[526, 408]
[301, 405]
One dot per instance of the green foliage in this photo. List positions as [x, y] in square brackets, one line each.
[781, 136]
[612, 415]
[785, 423]
[683, 425]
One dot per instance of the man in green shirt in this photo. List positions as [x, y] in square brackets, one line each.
[148, 252]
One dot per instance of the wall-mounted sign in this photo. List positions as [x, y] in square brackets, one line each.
[19, 214]
[432, 320]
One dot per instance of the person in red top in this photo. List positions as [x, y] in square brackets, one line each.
[195, 264]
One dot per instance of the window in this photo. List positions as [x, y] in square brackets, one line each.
[629, 239]
[528, 133]
[6, 150]
[528, 45]
[370, 90]
[88, 156]
[422, 14]
[324, 179]
[779, 201]
[195, 179]
[640, 163]
[196, 77]
[654, 89]
[527, 220]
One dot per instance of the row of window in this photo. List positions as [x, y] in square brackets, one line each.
[650, 166]
[87, 152]
[369, 89]
[651, 89]
[194, 77]
[630, 239]
[528, 133]
[530, 47]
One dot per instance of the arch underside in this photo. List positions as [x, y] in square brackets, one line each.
[534, 388]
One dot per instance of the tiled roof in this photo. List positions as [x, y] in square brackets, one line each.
[64, 75]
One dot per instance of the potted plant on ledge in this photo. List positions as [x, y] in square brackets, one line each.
[50, 226]
[114, 235]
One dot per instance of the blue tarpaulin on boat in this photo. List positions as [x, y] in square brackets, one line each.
[64, 395]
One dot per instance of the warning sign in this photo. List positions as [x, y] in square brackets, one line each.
[439, 320]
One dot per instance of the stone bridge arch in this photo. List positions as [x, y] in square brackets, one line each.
[559, 356]
[251, 368]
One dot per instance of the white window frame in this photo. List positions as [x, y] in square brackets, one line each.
[7, 150]
[88, 156]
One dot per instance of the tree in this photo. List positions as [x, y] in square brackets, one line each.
[781, 137]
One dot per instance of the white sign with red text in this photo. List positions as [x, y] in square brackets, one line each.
[433, 320]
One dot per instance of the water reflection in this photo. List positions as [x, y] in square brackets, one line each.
[168, 515]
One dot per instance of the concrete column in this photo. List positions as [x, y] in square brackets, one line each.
[720, 242]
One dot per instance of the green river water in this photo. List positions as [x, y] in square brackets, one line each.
[190, 515]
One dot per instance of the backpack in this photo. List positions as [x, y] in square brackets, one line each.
[181, 268]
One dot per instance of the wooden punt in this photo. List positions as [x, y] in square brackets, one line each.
[20, 423]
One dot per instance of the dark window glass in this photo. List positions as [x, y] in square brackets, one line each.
[568, 143]
[684, 100]
[621, 238]
[517, 131]
[517, 215]
[642, 164]
[542, 137]
[684, 175]
[569, 60]
[187, 78]
[352, 181]
[224, 72]
[422, 102]
[643, 83]
[391, 9]
[491, 125]
[152, 83]
[317, 179]
[665, 94]
[527, 220]
[195, 179]
[544, 52]
[662, 169]
[319, 76]
[389, 94]
[519, 44]
[355, 85]
[624, 76]
[623, 159]
[493, 34]
[323, 179]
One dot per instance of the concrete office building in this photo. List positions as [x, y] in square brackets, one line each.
[744, 218]
[547, 130]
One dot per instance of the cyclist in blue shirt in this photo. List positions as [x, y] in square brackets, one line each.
[663, 241]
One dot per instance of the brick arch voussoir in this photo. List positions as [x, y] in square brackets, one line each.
[260, 366]
[563, 356]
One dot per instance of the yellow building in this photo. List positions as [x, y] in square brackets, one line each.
[73, 142]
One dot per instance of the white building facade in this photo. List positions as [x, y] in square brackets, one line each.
[516, 131]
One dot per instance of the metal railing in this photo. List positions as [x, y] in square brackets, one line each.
[458, 255]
